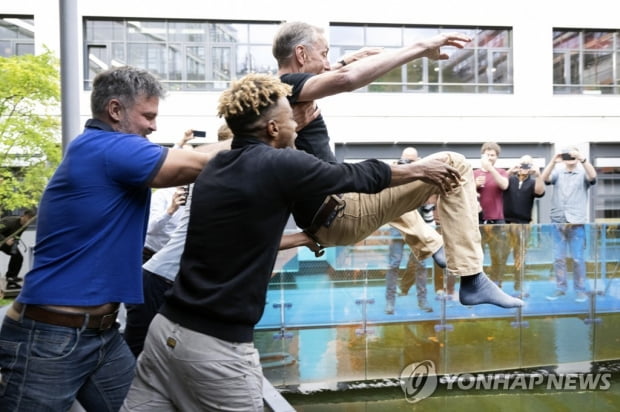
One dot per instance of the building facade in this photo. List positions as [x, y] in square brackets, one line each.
[535, 79]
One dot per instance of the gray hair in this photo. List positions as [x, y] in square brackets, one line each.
[124, 83]
[291, 35]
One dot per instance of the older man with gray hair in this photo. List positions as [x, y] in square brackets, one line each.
[572, 176]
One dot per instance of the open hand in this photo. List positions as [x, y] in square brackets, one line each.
[438, 173]
[434, 44]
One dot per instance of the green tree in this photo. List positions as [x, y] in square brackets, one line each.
[29, 129]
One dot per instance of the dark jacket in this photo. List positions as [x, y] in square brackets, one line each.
[241, 203]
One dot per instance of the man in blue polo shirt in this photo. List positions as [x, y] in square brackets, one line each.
[60, 338]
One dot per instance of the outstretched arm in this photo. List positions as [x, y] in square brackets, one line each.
[431, 171]
[357, 55]
[365, 70]
[183, 166]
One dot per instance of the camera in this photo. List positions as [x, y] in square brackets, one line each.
[525, 166]
[199, 133]
[404, 161]
[567, 156]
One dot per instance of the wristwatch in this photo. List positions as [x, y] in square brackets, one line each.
[585, 159]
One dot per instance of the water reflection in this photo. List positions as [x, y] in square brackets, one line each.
[324, 322]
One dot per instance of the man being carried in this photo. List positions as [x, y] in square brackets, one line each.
[301, 51]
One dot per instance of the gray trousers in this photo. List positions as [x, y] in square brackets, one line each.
[183, 370]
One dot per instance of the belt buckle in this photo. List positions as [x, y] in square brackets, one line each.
[107, 321]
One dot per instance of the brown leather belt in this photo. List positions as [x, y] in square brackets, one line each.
[324, 217]
[68, 319]
[326, 213]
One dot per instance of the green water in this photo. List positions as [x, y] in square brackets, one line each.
[548, 345]
[393, 400]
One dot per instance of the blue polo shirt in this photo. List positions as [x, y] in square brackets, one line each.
[92, 221]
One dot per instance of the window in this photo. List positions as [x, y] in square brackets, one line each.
[586, 61]
[186, 55]
[606, 196]
[483, 66]
[16, 35]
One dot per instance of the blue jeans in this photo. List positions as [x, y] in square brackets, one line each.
[573, 238]
[395, 255]
[415, 269]
[46, 367]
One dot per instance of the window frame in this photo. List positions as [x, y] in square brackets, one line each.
[21, 43]
[572, 69]
[214, 38]
[432, 74]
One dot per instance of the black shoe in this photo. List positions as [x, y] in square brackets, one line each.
[13, 285]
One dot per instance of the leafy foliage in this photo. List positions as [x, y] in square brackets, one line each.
[29, 130]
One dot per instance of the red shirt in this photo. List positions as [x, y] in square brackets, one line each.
[491, 195]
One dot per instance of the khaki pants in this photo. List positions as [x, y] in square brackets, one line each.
[423, 240]
[365, 213]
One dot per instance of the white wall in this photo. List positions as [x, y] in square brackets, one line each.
[531, 114]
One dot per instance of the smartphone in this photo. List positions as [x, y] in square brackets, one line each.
[199, 133]
[567, 156]
[186, 194]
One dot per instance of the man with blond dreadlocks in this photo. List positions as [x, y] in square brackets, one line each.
[241, 202]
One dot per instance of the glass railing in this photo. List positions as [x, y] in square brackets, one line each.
[325, 321]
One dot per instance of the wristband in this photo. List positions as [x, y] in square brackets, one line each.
[585, 159]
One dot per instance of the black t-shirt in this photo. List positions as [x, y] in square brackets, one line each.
[313, 138]
[518, 201]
